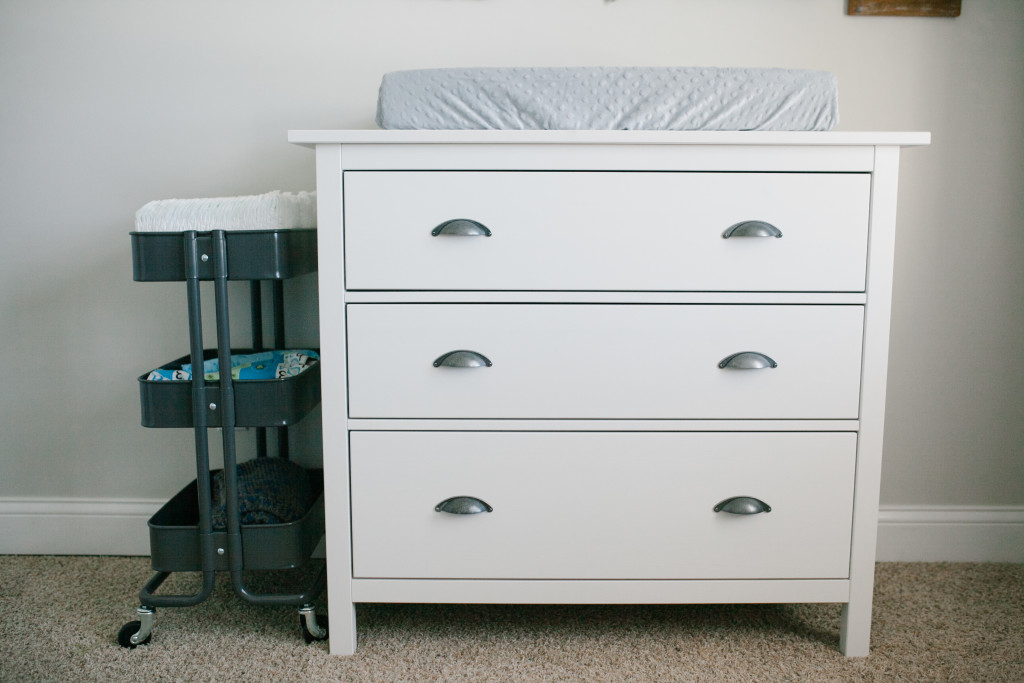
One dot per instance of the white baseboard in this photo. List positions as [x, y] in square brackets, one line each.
[78, 526]
[951, 533]
[906, 533]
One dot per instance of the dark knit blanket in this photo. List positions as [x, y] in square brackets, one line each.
[270, 491]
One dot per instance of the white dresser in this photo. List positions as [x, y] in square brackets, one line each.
[604, 366]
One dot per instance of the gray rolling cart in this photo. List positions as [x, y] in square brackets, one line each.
[183, 537]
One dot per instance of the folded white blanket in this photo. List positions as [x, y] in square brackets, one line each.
[609, 98]
[271, 211]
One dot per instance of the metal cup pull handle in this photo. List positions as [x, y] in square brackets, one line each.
[752, 229]
[747, 360]
[462, 227]
[462, 358]
[463, 505]
[743, 505]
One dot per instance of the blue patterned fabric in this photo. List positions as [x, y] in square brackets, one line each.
[260, 365]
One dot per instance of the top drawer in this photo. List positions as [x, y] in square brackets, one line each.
[613, 231]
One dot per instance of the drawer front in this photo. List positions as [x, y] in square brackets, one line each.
[601, 506]
[604, 361]
[606, 231]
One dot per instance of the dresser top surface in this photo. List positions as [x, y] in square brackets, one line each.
[608, 137]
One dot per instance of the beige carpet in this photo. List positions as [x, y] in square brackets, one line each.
[933, 622]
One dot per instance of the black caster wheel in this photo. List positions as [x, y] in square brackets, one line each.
[321, 622]
[124, 636]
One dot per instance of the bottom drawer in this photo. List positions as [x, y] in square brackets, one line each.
[574, 505]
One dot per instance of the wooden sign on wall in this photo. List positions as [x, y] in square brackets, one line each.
[904, 8]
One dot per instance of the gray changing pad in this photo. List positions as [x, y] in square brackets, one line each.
[605, 98]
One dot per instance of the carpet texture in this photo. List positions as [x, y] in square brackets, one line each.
[59, 617]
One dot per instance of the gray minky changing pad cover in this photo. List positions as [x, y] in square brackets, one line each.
[609, 98]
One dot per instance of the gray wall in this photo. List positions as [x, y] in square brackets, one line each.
[107, 104]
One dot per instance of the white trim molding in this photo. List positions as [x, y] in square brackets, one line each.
[906, 533]
[950, 533]
[75, 526]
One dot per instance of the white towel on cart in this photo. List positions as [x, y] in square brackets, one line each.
[270, 211]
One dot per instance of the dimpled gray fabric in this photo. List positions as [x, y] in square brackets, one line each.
[609, 98]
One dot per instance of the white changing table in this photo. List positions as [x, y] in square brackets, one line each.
[669, 375]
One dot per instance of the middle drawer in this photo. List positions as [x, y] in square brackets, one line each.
[604, 361]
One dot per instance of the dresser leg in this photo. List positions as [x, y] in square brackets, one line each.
[855, 629]
[343, 629]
